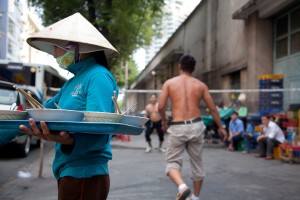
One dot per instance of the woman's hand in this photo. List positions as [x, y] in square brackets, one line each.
[44, 133]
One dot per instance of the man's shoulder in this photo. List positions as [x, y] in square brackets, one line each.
[273, 124]
[239, 120]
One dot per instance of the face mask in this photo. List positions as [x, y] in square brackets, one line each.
[66, 60]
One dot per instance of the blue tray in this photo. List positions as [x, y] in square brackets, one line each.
[77, 127]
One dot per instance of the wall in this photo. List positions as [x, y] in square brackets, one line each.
[221, 46]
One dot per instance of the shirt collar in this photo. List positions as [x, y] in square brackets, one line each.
[77, 67]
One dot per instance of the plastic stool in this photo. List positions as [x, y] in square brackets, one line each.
[277, 153]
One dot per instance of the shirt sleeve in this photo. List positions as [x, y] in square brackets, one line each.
[99, 92]
[240, 126]
[272, 130]
[249, 128]
[231, 126]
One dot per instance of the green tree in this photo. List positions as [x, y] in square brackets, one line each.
[127, 24]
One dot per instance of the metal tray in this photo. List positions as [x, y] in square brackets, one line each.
[77, 127]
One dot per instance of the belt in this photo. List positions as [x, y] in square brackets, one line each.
[198, 119]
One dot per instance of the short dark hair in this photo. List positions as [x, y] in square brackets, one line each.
[235, 113]
[187, 63]
[268, 116]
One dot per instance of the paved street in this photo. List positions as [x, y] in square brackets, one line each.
[137, 175]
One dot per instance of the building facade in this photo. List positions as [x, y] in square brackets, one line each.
[234, 42]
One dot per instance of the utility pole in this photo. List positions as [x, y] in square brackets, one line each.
[126, 84]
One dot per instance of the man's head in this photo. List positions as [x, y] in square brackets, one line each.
[265, 120]
[187, 63]
[153, 98]
[272, 118]
[234, 115]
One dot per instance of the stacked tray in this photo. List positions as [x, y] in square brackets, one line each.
[77, 122]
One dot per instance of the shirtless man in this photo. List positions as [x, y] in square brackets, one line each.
[154, 123]
[186, 131]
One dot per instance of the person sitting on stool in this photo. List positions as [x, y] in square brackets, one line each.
[271, 137]
[236, 130]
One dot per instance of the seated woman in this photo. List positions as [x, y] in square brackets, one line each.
[249, 136]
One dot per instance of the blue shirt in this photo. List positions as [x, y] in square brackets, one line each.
[236, 126]
[90, 89]
[250, 129]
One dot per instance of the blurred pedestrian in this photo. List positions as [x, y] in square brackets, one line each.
[154, 123]
[186, 130]
[80, 162]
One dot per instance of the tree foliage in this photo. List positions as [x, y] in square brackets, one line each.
[127, 24]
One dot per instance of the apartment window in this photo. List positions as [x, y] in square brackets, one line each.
[287, 34]
[11, 27]
[10, 48]
[295, 31]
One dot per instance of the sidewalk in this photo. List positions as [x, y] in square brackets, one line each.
[136, 142]
[139, 142]
[45, 188]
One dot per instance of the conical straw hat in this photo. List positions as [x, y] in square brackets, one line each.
[74, 28]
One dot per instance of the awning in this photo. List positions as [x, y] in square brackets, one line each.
[265, 8]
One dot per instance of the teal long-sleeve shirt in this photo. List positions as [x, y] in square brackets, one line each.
[90, 89]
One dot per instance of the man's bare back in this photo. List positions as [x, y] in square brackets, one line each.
[185, 93]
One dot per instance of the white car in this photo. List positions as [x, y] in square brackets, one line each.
[11, 99]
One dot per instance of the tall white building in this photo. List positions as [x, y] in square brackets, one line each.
[175, 12]
[10, 29]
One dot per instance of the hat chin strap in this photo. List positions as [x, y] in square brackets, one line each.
[77, 53]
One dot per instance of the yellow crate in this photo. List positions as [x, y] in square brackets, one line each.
[270, 76]
[258, 128]
[276, 153]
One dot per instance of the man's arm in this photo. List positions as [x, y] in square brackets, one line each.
[213, 110]
[146, 112]
[161, 104]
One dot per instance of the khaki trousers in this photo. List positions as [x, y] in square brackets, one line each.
[189, 137]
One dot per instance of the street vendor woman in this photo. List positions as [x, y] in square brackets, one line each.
[80, 162]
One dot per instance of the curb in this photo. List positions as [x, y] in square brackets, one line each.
[124, 146]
